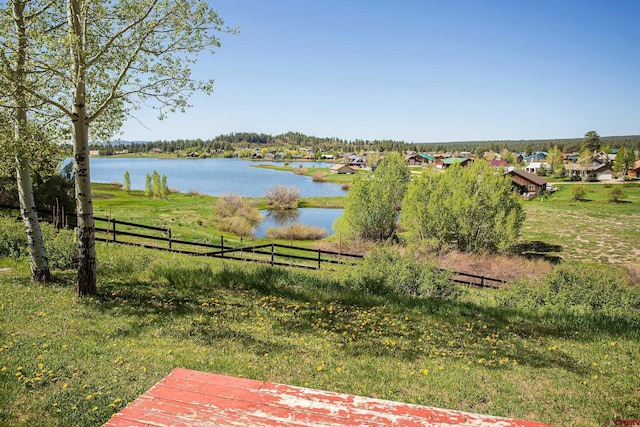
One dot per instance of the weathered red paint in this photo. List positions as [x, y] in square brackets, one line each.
[187, 398]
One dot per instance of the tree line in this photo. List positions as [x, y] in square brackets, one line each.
[245, 140]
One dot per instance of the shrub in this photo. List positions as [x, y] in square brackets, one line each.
[300, 171]
[13, 239]
[616, 194]
[282, 197]
[472, 207]
[577, 288]
[233, 214]
[578, 193]
[60, 245]
[296, 232]
[319, 176]
[387, 271]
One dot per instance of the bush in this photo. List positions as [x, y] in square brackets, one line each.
[60, 245]
[616, 194]
[282, 197]
[387, 271]
[319, 176]
[13, 239]
[300, 171]
[576, 288]
[578, 193]
[233, 214]
[296, 232]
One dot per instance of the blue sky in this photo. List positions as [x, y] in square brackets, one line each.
[417, 71]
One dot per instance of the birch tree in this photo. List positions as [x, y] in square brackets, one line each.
[122, 54]
[18, 16]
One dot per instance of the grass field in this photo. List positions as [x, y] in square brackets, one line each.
[591, 231]
[65, 361]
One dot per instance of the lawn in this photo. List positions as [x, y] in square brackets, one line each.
[65, 361]
[592, 231]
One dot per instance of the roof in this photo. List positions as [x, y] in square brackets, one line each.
[453, 160]
[339, 166]
[531, 177]
[499, 163]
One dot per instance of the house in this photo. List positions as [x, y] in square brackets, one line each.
[155, 151]
[341, 168]
[94, 153]
[419, 159]
[518, 158]
[634, 172]
[595, 171]
[534, 166]
[359, 161]
[525, 182]
[444, 163]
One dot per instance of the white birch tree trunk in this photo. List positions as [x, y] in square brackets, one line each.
[37, 254]
[38, 257]
[86, 281]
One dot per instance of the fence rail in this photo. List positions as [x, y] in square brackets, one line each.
[269, 253]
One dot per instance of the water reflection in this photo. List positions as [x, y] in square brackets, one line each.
[320, 217]
[282, 217]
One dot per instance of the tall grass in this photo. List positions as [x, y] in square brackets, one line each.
[296, 232]
[235, 215]
[282, 197]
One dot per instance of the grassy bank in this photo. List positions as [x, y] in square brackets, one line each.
[65, 361]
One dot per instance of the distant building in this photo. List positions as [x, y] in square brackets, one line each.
[445, 163]
[343, 169]
[526, 183]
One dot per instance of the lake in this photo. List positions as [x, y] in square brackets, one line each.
[213, 177]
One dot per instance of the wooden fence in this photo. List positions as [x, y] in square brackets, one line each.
[115, 231]
[124, 232]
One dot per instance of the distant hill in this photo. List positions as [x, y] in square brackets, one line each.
[240, 140]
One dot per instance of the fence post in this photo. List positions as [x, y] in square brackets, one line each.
[169, 230]
[482, 281]
[272, 254]
[319, 260]
[222, 245]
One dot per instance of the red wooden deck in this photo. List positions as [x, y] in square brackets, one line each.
[187, 398]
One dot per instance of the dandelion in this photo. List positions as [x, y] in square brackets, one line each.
[89, 396]
[65, 385]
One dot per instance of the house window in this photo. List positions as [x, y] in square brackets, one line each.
[532, 187]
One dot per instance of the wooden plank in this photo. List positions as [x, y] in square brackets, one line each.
[187, 398]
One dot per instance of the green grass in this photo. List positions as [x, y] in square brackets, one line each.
[65, 361]
[594, 231]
